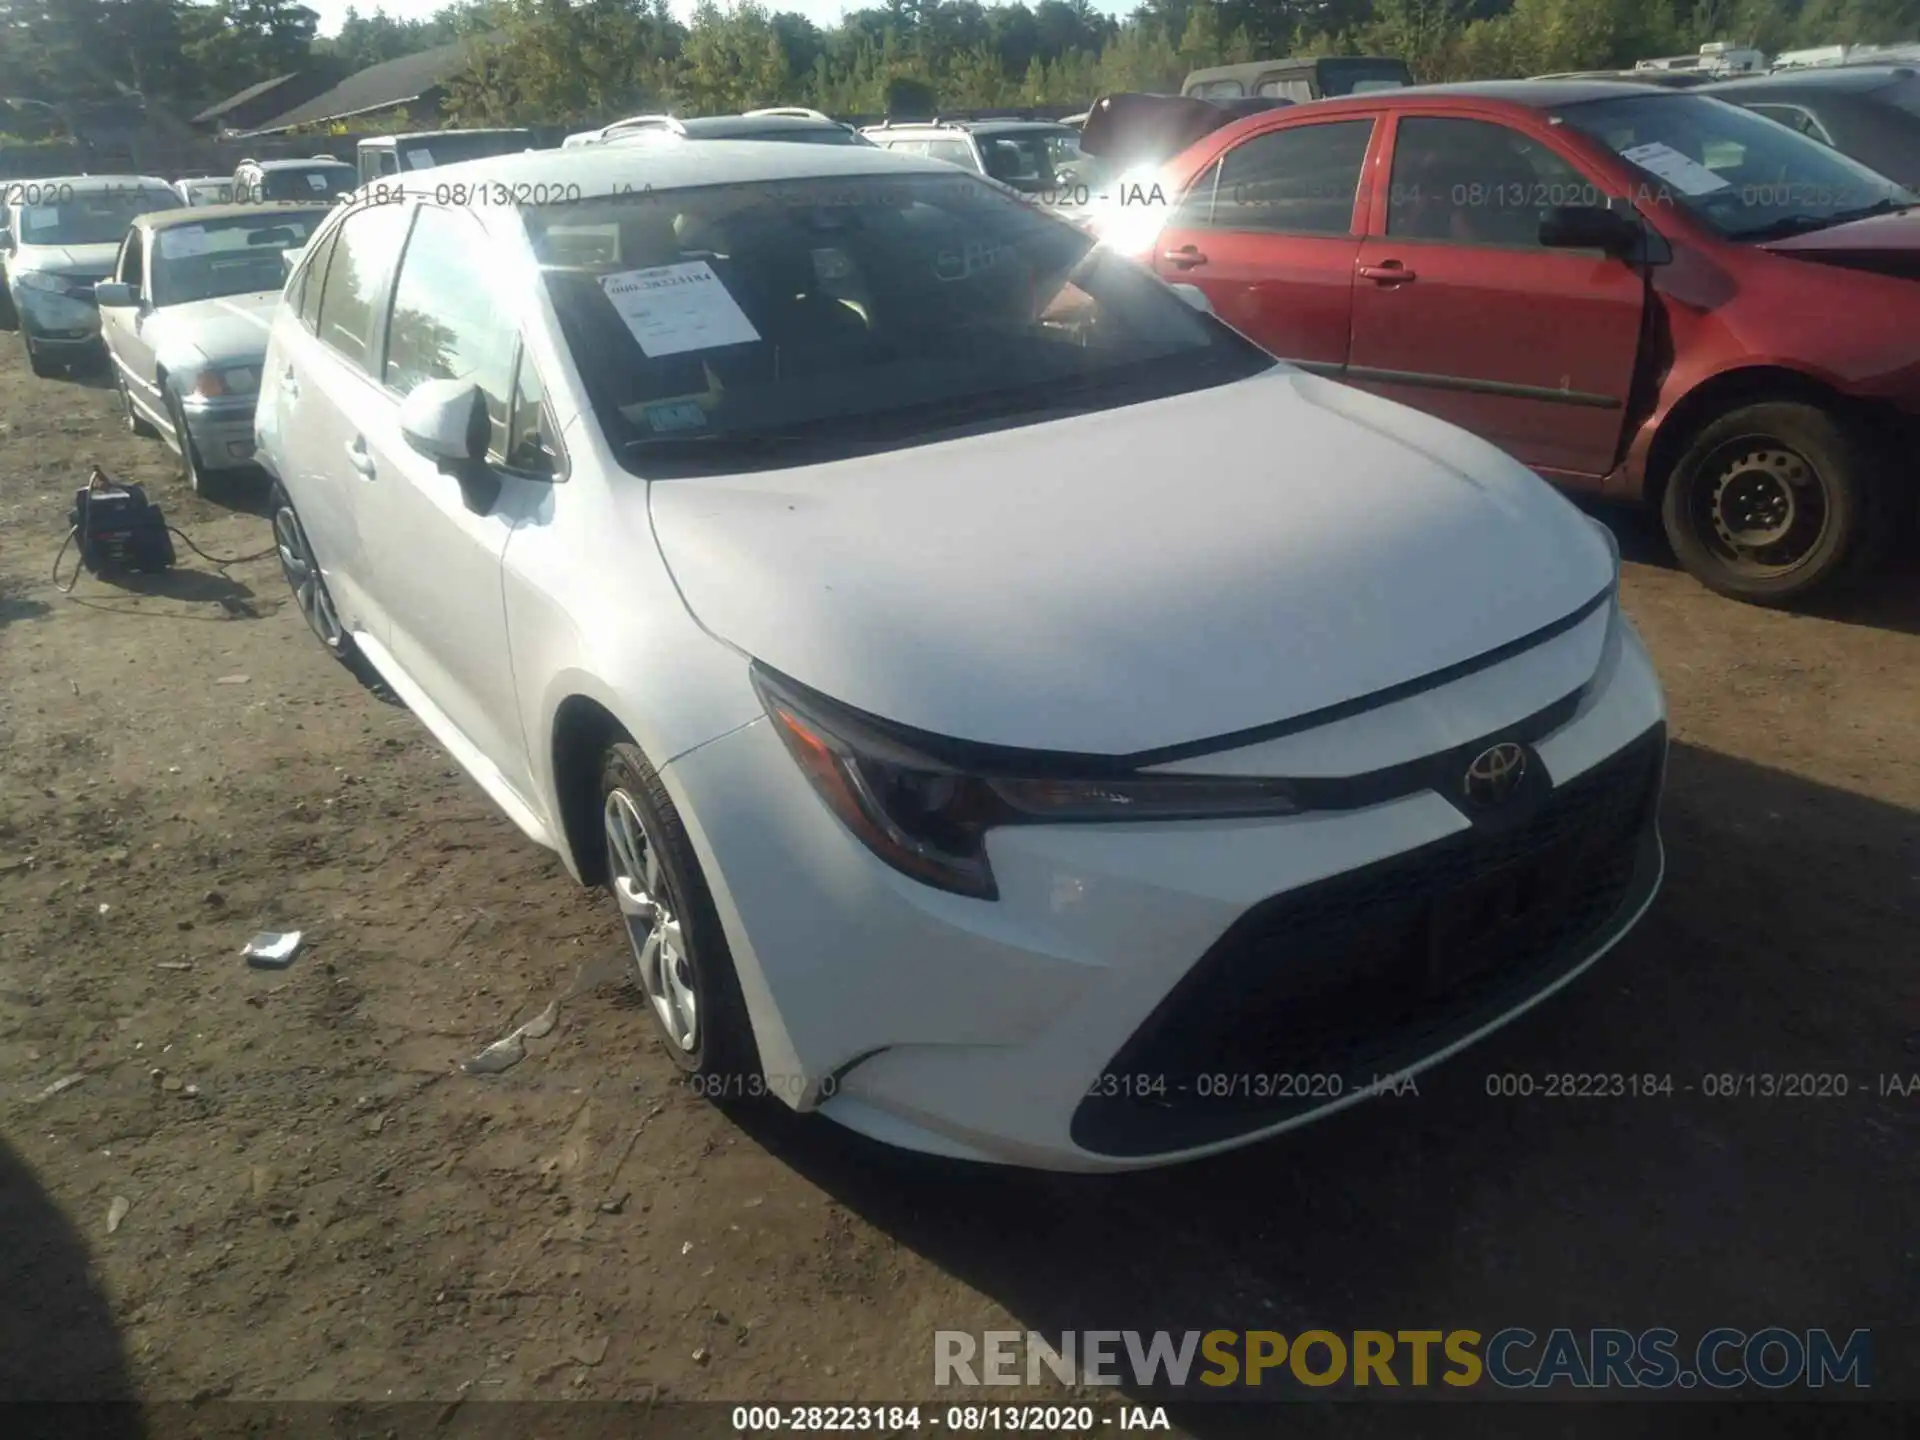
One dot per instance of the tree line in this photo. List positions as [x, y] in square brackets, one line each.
[576, 61]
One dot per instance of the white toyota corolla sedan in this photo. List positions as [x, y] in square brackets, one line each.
[1017, 717]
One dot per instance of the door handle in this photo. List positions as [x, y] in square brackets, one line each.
[1185, 258]
[357, 453]
[1387, 272]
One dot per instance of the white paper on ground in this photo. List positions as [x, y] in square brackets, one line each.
[1690, 176]
[183, 241]
[671, 309]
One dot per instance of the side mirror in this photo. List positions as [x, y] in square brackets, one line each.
[1594, 227]
[1194, 296]
[113, 295]
[446, 421]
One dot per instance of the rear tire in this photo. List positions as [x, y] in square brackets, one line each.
[1775, 502]
[309, 586]
[681, 958]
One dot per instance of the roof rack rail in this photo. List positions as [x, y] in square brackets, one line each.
[643, 122]
[798, 112]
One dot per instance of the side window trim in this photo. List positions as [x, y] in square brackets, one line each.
[313, 271]
[523, 361]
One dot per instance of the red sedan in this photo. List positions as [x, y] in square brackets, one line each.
[1640, 293]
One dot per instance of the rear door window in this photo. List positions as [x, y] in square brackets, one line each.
[1301, 180]
[357, 274]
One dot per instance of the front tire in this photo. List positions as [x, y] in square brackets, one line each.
[1774, 502]
[303, 576]
[135, 425]
[208, 485]
[680, 952]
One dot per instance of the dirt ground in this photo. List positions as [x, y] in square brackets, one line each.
[319, 1206]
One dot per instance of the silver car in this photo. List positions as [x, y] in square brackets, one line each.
[185, 319]
[204, 190]
[58, 236]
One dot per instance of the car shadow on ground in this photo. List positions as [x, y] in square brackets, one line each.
[1889, 600]
[1766, 952]
[58, 1340]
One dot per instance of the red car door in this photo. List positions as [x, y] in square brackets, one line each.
[1270, 232]
[1459, 311]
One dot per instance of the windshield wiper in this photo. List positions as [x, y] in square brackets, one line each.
[1790, 225]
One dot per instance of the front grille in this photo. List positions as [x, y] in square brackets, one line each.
[1318, 992]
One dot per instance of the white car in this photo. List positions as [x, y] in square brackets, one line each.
[1017, 718]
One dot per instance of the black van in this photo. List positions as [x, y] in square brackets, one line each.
[1298, 80]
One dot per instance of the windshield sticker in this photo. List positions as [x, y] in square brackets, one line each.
[671, 309]
[316, 181]
[1689, 176]
[186, 240]
[43, 217]
[681, 415]
[420, 158]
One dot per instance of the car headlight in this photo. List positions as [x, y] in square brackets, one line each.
[46, 283]
[213, 384]
[927, 816]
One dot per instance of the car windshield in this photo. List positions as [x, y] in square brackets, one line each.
[1362, 77]
[854, 312]
[1746, 176]
[1028, 159]
[90, 217]
[315, 182]
[236, 255]
[424, 152]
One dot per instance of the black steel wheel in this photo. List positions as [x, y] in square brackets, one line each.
[1774, 502]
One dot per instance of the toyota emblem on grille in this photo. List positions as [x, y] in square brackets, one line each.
[1495, 775]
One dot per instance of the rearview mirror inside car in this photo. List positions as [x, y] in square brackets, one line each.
[1593, 227]
[113, 294]
[1194, 296]
[446, 421]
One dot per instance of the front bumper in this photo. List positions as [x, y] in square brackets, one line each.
[222, 432]
[1126, 969]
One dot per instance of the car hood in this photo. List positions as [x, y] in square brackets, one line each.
[1135, 578]
[231, 328]
[65, 259]
[1887, 244]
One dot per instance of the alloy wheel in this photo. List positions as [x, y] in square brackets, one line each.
[652, 917]
[303, 578]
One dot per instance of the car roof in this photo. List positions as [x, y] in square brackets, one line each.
[597, 169]
[379, 140]
[306, 164]
[200, 214]
[1534, 94]
[1848, 78]
[989, 126]
[81, 184]
[204, 180]
[723, 126]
